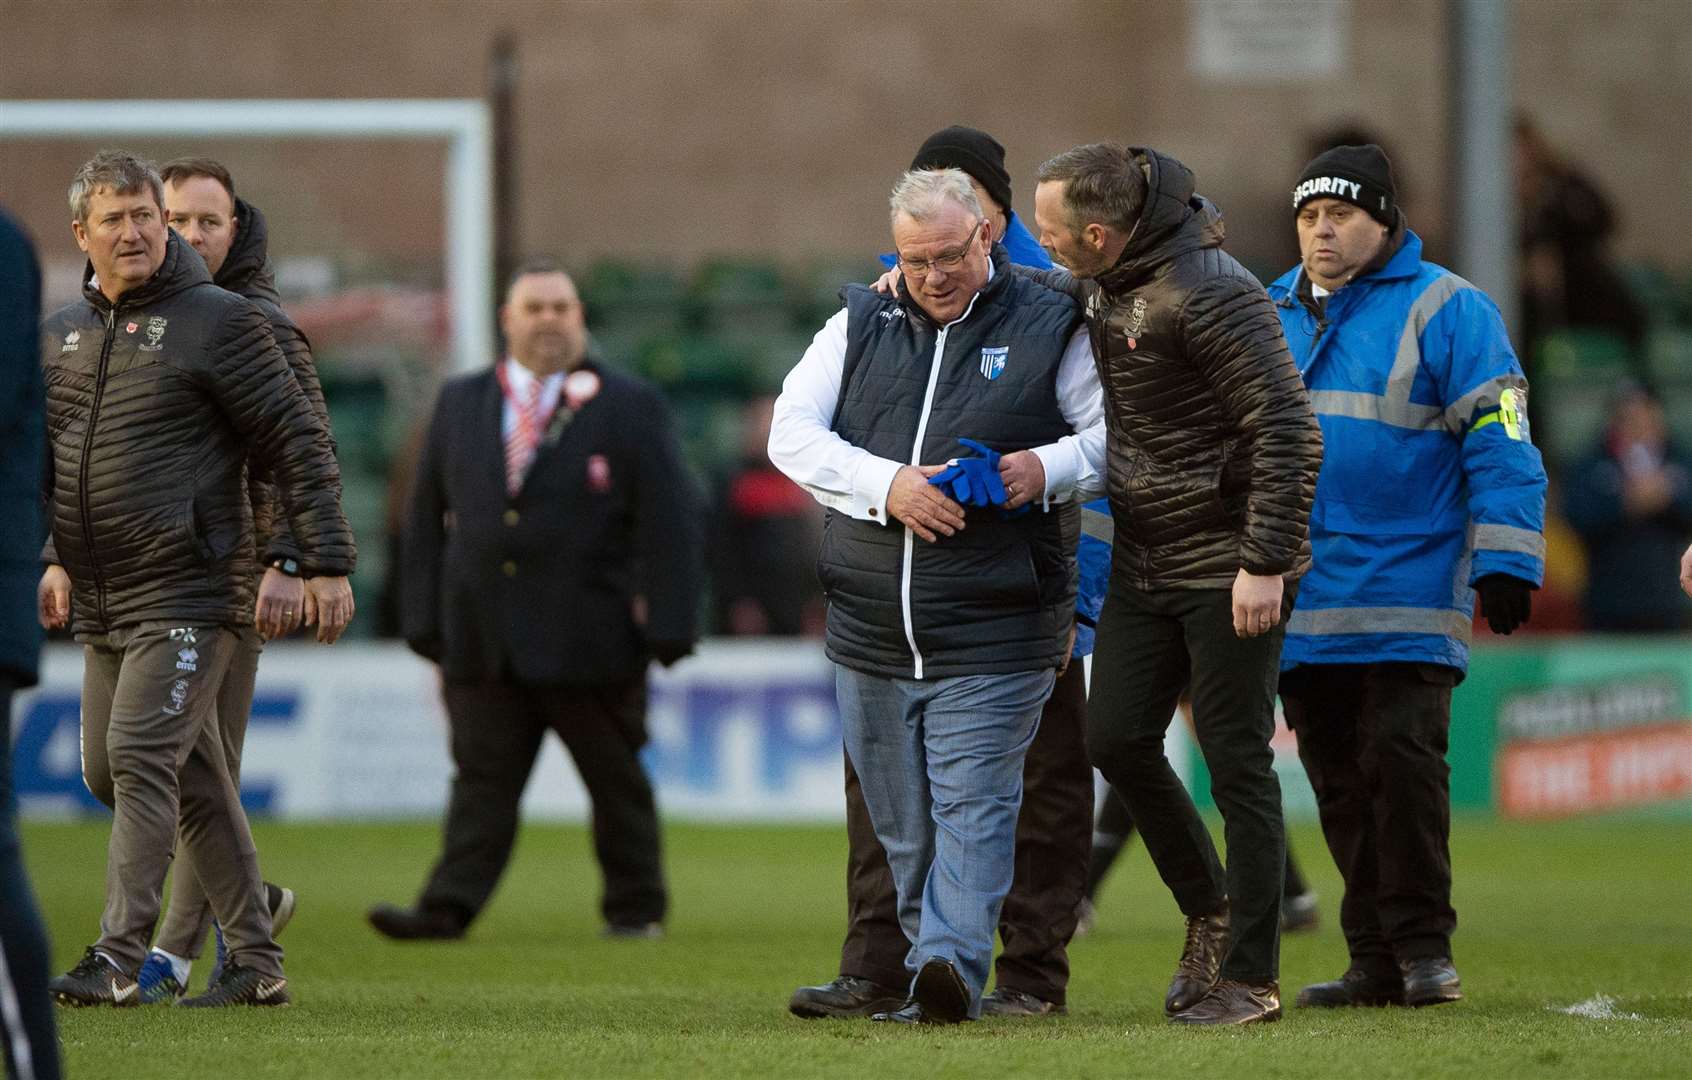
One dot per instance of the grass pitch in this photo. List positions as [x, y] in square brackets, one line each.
[1591, 915]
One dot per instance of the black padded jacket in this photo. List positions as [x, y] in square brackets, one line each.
[153, 405]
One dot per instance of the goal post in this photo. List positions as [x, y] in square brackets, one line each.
[463, 123]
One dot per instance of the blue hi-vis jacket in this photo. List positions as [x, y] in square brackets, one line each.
[1093, 555]
[1429, 481]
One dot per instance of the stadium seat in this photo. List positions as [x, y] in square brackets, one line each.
[1668, 356]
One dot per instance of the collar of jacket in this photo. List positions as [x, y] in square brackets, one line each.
[246, 269]
[182, 268]
[1399, 257]
[988, 293]
[1174, 221]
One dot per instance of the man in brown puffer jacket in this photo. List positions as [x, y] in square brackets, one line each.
[1211, 467]
[159, 387]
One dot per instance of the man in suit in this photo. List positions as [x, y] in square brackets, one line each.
[551, 550]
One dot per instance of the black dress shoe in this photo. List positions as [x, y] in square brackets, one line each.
[910, 1013]
[1233, 1003]
[846, 996]
[1430, 982]
[417, 924]
[1354, 988]
[1007, 1002]
[1201, 961]
[941, 992]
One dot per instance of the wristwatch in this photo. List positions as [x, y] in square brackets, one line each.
[287, 566]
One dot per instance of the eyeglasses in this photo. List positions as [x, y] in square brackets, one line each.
[946, 261]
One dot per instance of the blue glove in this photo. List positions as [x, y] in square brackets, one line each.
[992, 457]
[972, 481]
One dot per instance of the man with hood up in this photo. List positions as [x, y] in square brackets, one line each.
[1211, 464]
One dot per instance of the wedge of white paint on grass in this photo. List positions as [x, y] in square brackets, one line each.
[1600, 1007]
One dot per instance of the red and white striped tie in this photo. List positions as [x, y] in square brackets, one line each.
[524, 438]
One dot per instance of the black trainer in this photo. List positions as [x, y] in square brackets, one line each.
[95, 980]
[1355, 989]
[237, 985]
[847, 996]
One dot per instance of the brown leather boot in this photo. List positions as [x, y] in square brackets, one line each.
[1231, 1002]
[1201, 961]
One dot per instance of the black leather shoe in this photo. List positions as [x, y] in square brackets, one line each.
[417, 924]
[1232, 1003]
[910, 1013]
[1354, 988]
[1201, 961]
[847, 996]
[1007, 1002]
[941, 992]
[1430, 982]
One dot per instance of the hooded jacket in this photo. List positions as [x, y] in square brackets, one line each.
[154, 404]
[1213, 450]
[247, 270]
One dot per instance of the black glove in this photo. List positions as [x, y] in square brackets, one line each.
[668, 652]
[1506, 602]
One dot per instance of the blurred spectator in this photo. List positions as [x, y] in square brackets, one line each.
[1631, 502]
[1567, 279]
[765, 536]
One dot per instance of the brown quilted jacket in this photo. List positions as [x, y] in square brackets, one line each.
[1213, 448]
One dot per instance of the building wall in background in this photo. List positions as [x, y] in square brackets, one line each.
[671, 130]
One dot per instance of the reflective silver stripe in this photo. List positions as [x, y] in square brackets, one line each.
[1394, 408]
[1097, 525]
[1509, 538]
[1486, 396]
[1382, 410]
[1422, 311]
[1380, 620]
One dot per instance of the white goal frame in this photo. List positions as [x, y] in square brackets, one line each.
[468, 183]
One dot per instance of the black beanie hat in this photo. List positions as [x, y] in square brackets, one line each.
[1360, 175]
[975, 152]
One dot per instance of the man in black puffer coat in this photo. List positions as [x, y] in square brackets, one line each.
[159, 387]
[231, 236]
[1211, 467]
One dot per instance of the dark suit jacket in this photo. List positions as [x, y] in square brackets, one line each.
[540, 588]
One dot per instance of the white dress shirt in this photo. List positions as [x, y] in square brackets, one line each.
[520, 379]
[855, 482]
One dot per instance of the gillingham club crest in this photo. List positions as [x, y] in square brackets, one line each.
[993, 361]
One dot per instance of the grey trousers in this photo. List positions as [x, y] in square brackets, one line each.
[151, 751]
[189, 916]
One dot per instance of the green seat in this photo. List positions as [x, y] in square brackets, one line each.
[1668, 356]
[1583, 354]
[1654, 289]
[621, 295]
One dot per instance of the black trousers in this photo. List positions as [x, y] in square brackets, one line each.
[1115, 827]
[1053, 837]
[1151, 645]
[496, 732]
[31, 1046]
[1373, 740]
